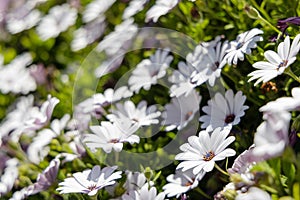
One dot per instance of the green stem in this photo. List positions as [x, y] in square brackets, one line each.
[289, 72]
[221, 170]
[198, 189]
[268, 23]
[260, 9]
[116, 157]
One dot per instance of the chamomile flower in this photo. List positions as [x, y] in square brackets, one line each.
[59, 19]
[223, 110]
[111, 136]
[181, 182]
[90, 181]
[181, 111]
[201, 152]
[276, 62]
[140, 115]
[150, 70]
[242, 45]
[160, 8]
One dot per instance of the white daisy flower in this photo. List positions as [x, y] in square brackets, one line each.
[9, 175]
[181, 80]
[94, 106]
[114, 95]
[160, 8]
[96, 8]
[27, 118]
[110, 136]
[90, 181]
[144, 193]
[242, 45]
[38, 149]
[271, 136]
[181, 111]
[277, 62]
[15, 77]
[110, 64]
[200, 153]
[209, 69]
[43, 182]
[88, 34]
[284, 103]
[196, 56]
[223, 111]
[140, 115]
[134, 7]
[150, 70]
[38, 117]
[253, 193]
[13, 124]
[22, 18]
[181, 182]
[58, 20]
[118, 40]
[242, 163]
[134, 180]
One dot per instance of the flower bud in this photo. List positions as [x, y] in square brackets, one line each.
[296, 124]
[230, 194]
[148, 173]
[252, 12]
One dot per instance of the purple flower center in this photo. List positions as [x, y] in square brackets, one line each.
[114, 141]
[154, 73]
[92, 187]
[282, 64]
[229, 118]
[135, 120]
[209, 155]
[215, 66]
[239, 45]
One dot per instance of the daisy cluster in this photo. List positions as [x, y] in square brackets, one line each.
[158, 124]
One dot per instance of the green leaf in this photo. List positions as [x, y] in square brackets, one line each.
[296, 191]
[156, 176]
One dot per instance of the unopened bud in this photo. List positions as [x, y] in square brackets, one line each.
[252, 12]
[148, 173]
[230, 194]
[296, 124]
